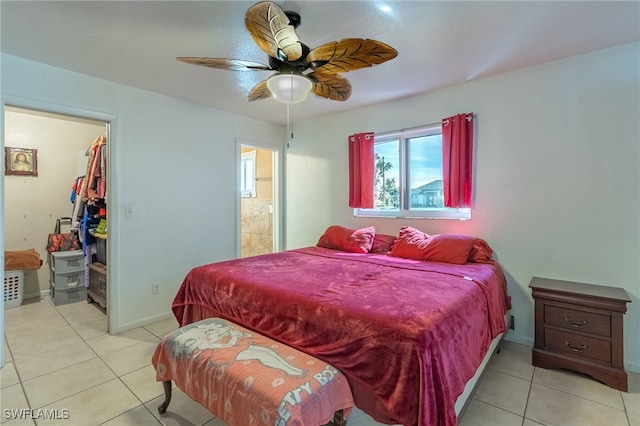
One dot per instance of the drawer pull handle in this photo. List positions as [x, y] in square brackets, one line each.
[582, 347]
[575, 324]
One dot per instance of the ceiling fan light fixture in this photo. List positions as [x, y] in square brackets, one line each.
[289, 88]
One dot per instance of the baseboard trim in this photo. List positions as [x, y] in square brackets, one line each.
[141, 322]
[36, 295]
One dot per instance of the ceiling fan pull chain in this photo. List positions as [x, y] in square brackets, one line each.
[289, 122]
[289, 125]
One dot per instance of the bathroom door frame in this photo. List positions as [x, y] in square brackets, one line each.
[278, 204]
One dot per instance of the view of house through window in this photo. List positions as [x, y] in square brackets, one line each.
[408, 175]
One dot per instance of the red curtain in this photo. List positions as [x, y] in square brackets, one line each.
[361, 170]
[457, 158]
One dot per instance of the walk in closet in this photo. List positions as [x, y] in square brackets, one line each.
[71, 151]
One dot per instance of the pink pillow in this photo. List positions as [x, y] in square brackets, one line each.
[449, 248]
[410, 244]
[481, 252]
[340, 238]
[382, 243]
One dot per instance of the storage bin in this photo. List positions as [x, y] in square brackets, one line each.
[68, 295]
[97, 288]
[13, 288]
[66, 279]
[101, 251]
[63, 261]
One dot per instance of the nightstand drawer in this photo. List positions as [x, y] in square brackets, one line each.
[578, 345]
[577, 320]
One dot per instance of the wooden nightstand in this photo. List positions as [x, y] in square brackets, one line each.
[579, 327]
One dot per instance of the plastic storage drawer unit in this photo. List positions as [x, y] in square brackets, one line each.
[64, 280]
[64, 261]
[67, 276]
[68, 295]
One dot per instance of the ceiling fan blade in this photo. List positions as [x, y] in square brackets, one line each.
[349, 54]
[269, 26]
[225, 64]
[259, 91]
[330, 86]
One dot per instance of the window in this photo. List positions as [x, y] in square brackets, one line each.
[408, 176]
[248, 174]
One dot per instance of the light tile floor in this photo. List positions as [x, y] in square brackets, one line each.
[61, 358]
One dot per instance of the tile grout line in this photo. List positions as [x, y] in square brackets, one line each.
[118, 376]
[131, 390]
[624, 410]
[73, 394]
[526, 404]
[19, 378]
[84, 341]
[96, 356]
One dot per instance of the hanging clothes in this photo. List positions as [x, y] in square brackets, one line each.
[96, 177]
[78, 203]
[90, 193]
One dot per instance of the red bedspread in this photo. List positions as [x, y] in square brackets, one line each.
[407, 334]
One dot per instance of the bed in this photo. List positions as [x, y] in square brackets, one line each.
[408, 334]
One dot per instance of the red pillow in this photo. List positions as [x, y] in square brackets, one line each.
[410, 244]
[481, 252]
[449, 248]
[382, 243]
[340, 238]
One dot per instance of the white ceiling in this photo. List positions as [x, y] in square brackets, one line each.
[439, 43]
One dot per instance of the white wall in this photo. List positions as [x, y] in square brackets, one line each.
[173, 161]
[33, 203]
[557, 183]
[557, 189]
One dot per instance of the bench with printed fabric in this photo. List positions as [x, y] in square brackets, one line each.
[245, 378]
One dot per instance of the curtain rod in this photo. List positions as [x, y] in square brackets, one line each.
[409, 129]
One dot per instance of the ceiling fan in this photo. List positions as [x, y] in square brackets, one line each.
[317, 70]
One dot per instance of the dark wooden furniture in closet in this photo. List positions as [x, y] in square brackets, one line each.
[579, 327]
[97, 290]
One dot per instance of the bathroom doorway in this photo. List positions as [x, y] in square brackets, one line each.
[259, 202]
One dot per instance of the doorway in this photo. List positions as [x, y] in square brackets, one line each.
[33, 203]
[259, 200]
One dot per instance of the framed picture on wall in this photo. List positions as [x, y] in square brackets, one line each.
[21, 161]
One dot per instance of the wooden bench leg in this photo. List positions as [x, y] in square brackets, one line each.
[162, 408]
[338, 419]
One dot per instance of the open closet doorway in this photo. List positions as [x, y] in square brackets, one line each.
[259, 200]
[61, 148]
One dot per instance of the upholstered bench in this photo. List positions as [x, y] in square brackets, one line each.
[245, 378]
